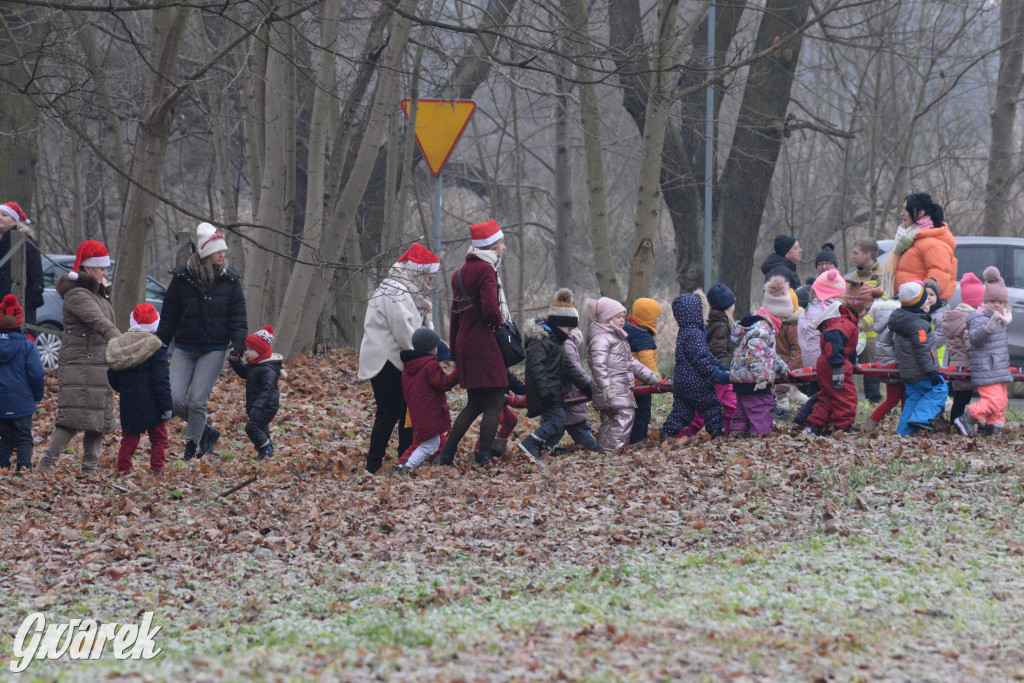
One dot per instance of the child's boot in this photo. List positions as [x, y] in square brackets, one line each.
[499, 448]
[532, 446]
[207, 440]
[966, 424]
[266, 452]
[869, 426]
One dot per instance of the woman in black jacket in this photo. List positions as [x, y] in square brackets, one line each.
[204, 314]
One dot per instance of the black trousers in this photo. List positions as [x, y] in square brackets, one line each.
[487, 401]
[258, 431]
[961, 398]
[16, 434]
[387, 394]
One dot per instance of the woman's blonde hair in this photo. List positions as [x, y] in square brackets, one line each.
[204, 270]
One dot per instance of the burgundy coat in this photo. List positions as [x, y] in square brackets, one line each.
[474, 348]
[424, 385]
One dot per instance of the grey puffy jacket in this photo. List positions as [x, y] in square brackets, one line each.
[990, 357]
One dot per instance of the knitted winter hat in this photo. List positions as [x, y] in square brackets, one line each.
[14, 211]
[443, 352]
[720, 297]
[144, 317]
[420, 258]
[782, 245]
[777, 300]
[604, 309]
[209, 241]
[91, 254]
[829, 285]
[562, 313]
[911, 294]
[10, 313]
[646, 311]
[972, 290]
[485, 234]
[827, 254]
[425, 340]
[261, 342]
[995, 288]
[803, 295]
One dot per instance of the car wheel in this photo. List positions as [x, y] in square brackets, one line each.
[48, 344]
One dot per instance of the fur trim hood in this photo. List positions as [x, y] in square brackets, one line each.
[705, 307]
[132, 349]
[534, 329]
[65, 284]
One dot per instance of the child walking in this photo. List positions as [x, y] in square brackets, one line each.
[756, 363]
[547, 370]
[424, 385]
[261, 369]
[836, 401]
[21, 376]
[641, 328]
[139, 373]
[990, 357]
[915, 353]
[958, 342]
[696, 370]
[721, 305]
[577, 419]
[613, 367]
[885, 354]
[787, 345]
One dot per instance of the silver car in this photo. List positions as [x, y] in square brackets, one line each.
[51, 316]
[975, 254]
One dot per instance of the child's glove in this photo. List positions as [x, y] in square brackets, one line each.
[720, 376]
[935, 378]
[993, 322]
[760, 386]
[609, 393]
[655, 381]
[588, 391]
[166, 415]
[837, 379]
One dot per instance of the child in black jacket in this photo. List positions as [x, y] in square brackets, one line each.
[261, 369]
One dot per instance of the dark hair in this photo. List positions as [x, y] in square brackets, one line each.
[867, 246]
[921, 201]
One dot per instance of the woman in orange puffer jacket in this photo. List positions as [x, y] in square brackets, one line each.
[924, 248]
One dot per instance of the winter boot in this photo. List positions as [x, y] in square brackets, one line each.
[482, 458]
[266, 452]
[928, 426]
[966, 424]
[869, 426]
[190, 450]
[499, 448]
[997, 429]
[207, 440]
[532, 446]
[446, 456]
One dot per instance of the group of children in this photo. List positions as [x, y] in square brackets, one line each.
[139, 373]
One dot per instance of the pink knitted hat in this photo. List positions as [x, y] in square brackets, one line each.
[604, 309]
[995, 288]
[972, 290]
[829, 285]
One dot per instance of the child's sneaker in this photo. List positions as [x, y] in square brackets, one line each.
[401, 468]
[812, 431]
[966, 424]
[781, 414]
[531, 446]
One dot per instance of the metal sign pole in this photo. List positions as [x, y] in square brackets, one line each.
[709, 151]
[437, 250]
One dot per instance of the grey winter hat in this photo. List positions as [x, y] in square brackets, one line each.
[425, 340]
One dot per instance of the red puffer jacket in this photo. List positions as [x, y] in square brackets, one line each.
[424, 385]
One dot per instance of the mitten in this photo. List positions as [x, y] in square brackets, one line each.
[166, 415]
[760, 385]
[720, 376]
[655, 381]
[588, 391]
[837, 378]
[935, 378]
[993, 322]
[610, 392]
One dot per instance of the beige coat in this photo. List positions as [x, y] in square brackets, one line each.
[85, 400]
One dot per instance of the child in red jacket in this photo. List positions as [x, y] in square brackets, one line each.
[424, 385]
[837, 400]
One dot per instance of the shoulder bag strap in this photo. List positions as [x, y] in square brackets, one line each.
[479, 314]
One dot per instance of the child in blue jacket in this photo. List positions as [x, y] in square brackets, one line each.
[21, 376]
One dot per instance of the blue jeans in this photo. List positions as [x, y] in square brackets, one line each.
[924, 401]
[552, 423]
[193, 375]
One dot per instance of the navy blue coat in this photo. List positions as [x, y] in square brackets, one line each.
[145, 392]
[21, 376]
[695, 364]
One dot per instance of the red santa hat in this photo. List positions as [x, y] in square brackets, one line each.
[421, 259]
[14, 211]
[145, 317]
[91, 254]
[10, 313]
[261, 342]
[485, 234]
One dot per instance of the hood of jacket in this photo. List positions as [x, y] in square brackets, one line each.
[275, 362]
[12, 346]
[830, 311]
[538, 328]
[906, 320]
[65, 284]
[688, 312]
[132, 349]
[794, 318]
[880, 312]
[773, 261]
[940, 232]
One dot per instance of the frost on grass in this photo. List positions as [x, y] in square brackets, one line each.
[775, 559]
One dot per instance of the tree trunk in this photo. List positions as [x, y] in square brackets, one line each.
[18, 114]
[1001, 171]
[760, 126]
[563, 187]
[590, 119]
[148, 162]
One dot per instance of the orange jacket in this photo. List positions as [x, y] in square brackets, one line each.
[931, 255]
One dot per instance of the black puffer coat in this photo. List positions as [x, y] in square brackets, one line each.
[776, 265]
[262, 397]
[199, 317]
[547, 367]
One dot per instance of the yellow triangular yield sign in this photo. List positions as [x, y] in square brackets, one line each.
[439, 125]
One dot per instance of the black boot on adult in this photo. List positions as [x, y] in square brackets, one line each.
[483, 458]
[190, 450]
[446, 457]
[207, 441]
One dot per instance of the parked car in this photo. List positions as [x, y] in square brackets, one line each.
[975, 254]
[50, 315]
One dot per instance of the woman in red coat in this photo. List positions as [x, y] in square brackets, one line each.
[478, 307]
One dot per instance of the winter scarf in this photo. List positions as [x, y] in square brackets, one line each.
[905, 235]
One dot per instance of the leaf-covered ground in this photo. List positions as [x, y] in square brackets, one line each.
[777, 559]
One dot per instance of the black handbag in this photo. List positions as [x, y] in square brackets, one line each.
[510, 342]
